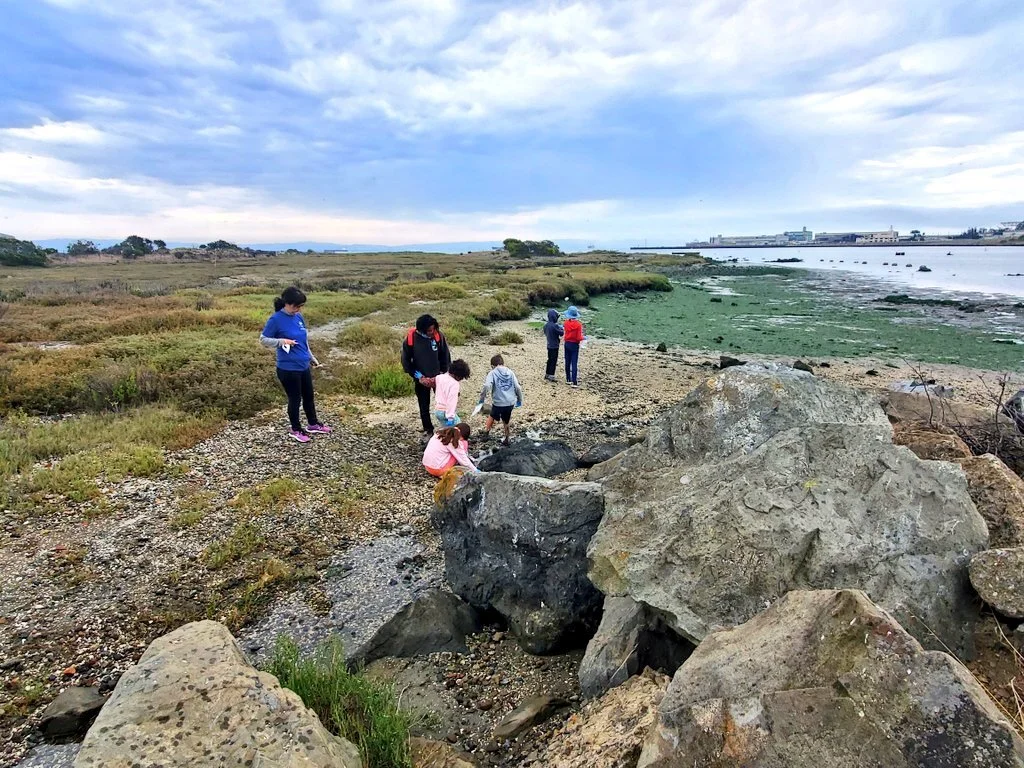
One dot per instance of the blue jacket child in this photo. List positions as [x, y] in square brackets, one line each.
[553, 332]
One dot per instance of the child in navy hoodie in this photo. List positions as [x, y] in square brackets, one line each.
[553, 333]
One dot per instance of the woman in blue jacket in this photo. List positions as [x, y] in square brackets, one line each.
[285, 331]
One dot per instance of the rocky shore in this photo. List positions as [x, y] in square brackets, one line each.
[85, 592]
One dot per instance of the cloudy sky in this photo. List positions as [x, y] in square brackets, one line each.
[417, 121]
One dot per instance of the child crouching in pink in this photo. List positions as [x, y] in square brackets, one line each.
[448, 447]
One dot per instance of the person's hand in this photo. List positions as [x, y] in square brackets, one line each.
[417, 375]
[287, 343]
[519, 403]
[450, 422]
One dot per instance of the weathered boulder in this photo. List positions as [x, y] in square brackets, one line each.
[998, 575]
[536, 458]
[817, 506]
[193, 700]
[71, 712]
[826, 678]
[998, 494]
[738, 410]
[517, 545]
[602, 452]
[608, 732]
[630, 637]
[931, 444]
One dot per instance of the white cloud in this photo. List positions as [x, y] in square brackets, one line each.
[219, 131]
[49, 132]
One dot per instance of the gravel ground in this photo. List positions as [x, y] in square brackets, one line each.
[83, 591]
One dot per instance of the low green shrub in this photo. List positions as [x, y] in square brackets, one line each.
[360, 710]
[366, 334]
[505, 338]
[433, 290]
[244, 539]
[391, 381]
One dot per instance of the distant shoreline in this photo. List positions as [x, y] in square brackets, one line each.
[916, 244]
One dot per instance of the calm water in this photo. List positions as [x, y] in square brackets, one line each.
[969, 269]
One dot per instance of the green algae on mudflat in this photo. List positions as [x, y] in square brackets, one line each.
[804, 314]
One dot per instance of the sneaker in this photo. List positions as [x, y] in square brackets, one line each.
[506, 441]
[319, 429]
[549, 378]
[574, 385]
[299, 435]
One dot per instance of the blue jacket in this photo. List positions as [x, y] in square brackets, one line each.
[281, 325]
[552, 329]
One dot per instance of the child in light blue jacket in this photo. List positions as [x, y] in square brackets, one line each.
[506, 394]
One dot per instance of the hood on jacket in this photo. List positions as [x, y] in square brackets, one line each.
[503, 377]
[572, 313]
[552, 315]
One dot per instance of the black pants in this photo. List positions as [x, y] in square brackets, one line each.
[552, 362]
[423, 398]
[298, 385]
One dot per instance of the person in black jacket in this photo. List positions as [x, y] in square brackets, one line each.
[425, 355]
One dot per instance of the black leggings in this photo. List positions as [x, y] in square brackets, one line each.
[299, 386]
[423, 398]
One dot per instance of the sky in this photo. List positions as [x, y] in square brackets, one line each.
[423, 121]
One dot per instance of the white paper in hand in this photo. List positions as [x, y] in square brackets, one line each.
[287, 348]
[479, 407]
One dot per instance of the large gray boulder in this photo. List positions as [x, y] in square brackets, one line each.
[816, 506]
[517, 545]
[194, 700]
[736, 411]
[826, 678]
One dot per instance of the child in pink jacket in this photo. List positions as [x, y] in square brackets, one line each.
[446, 393]
[448, 447]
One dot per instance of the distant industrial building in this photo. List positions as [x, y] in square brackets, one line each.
[800, 236]
[888, 236]
[748, 240]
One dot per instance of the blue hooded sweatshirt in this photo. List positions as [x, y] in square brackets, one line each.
[552, 329]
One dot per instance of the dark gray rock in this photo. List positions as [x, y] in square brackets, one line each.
[71, 712]
[435, 621]
[536, 458]
[826, 678]
[602, 452]
[662, 347]
[517, 545]
[800, 365]
[630, 637]
[725, 361]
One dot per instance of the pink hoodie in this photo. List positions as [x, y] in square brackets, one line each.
[447, 394]
[438, 455]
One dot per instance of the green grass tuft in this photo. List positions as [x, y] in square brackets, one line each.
[363, 711]
[244, 539]
[391, 381]
[506, 337]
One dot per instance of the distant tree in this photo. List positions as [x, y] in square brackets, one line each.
[968, 234]
[916, 234]
[21, 253]
[523, 249]
[221, 244]
[82, 248]
[159, 244]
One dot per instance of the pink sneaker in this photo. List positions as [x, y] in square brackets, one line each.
[319, 429]
[302, 437]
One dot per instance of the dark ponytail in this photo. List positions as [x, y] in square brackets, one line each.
[292, 296]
